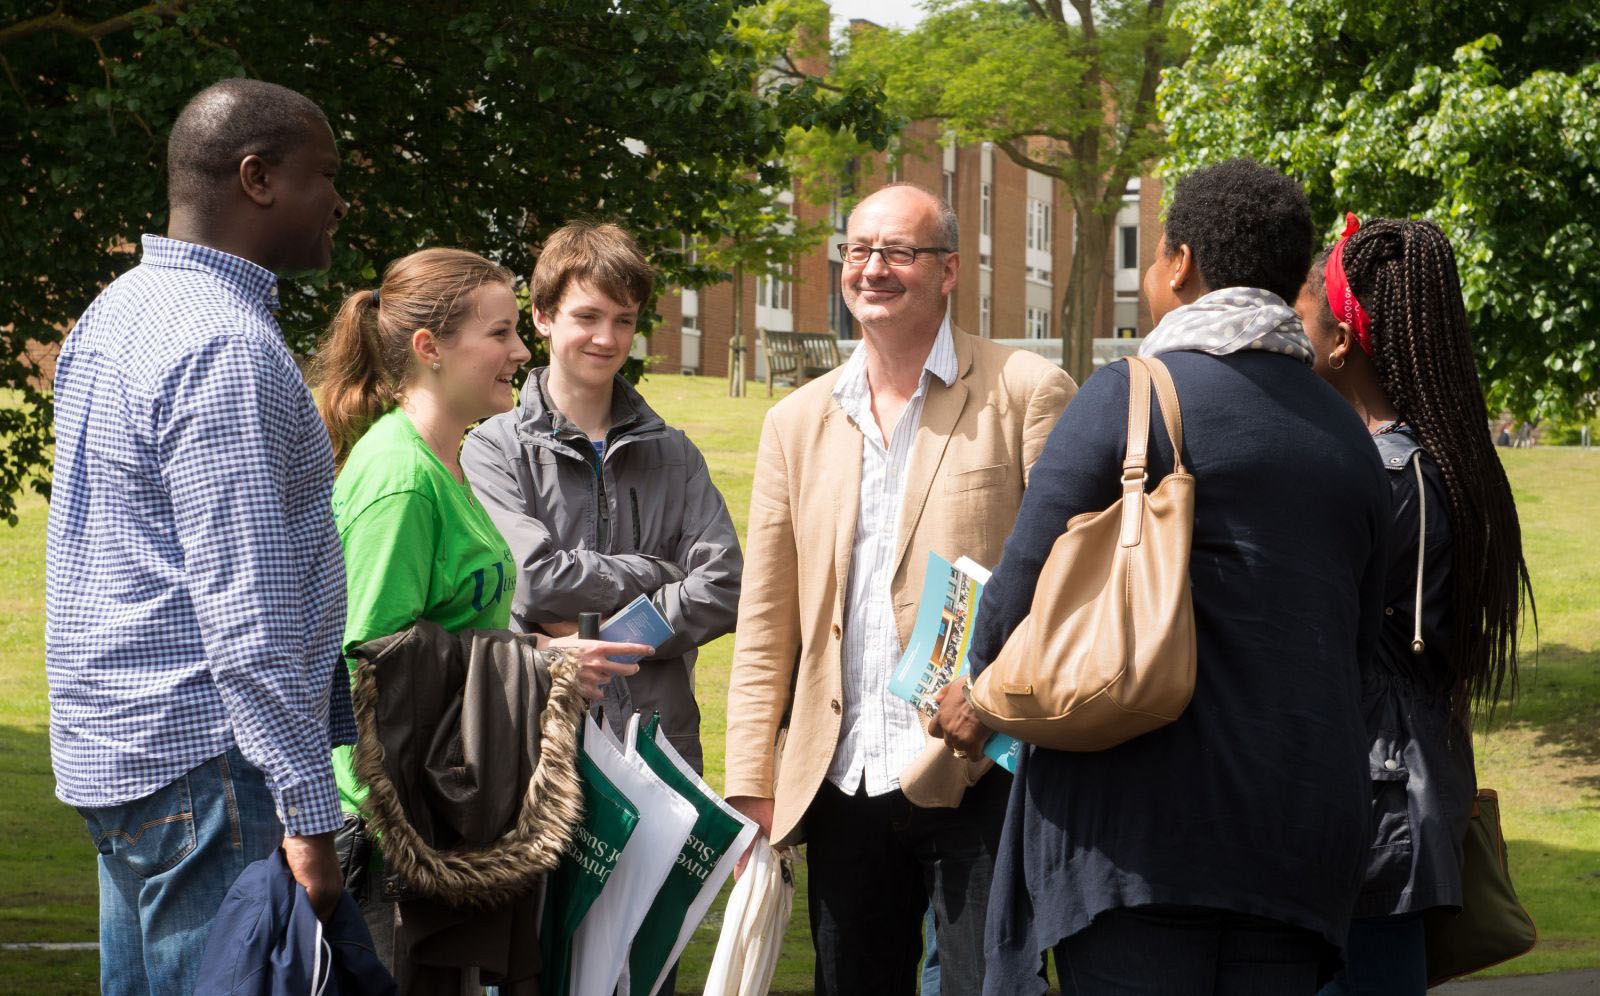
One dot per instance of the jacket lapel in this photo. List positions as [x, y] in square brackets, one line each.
[841, 447]
[940, 411]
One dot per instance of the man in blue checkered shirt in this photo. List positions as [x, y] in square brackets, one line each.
[195, 589]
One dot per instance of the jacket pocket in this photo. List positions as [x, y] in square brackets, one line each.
[1389, 856]
[978, 477]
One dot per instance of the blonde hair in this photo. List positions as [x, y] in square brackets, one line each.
[602, 255]
[364, 362]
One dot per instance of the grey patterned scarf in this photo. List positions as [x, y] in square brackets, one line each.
[1229, 321]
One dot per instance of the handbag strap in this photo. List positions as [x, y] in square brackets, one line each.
[1135, 456]
[1171, 412]
[1142, 371]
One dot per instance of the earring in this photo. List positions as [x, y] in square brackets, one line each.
[1173, 284]
[1336, 366]
[435, 364]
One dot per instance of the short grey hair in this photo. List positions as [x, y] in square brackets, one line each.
[949, 232]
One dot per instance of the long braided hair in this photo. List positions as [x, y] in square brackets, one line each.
[1404, 275]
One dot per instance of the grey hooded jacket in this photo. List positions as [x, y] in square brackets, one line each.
[591, 538]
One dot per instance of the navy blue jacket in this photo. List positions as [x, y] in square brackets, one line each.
[265, 941]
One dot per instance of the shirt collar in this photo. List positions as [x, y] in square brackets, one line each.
[251, 281]
[941, 363]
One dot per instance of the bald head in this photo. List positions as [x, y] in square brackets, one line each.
[226, 122]
[936, 219]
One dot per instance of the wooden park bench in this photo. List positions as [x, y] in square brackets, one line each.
[798, 356]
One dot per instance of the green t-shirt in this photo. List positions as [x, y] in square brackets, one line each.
[417, 545]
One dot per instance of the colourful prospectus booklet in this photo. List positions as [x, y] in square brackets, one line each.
[637, 622]
[937, 651]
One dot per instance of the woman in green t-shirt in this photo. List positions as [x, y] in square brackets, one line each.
[405, 370]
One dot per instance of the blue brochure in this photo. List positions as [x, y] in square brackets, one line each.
[636, 622]
[936, 654]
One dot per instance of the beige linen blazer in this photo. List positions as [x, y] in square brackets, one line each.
[969, 464]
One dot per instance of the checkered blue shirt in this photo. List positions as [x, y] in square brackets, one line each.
[194, 587]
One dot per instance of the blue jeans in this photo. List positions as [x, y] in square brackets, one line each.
[1385, 956]
[166, 862]
[1188, 951]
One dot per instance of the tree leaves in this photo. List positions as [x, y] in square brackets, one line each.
[1484, 118]
[461, 122]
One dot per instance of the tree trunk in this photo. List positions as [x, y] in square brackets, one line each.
[736, 348]
[1085, 283]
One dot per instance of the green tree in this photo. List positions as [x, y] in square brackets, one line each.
[1484, 117]
[1066, 89]
[464, 122]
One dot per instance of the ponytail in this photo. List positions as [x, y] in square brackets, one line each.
[366, 361]
[349, 372]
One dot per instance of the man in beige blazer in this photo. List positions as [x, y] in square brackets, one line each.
[920, 442]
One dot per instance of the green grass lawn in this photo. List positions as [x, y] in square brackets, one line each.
[1543, 753]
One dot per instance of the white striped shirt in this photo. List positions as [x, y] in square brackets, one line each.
[880, 733]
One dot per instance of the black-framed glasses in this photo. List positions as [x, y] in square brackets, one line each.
[857, 254]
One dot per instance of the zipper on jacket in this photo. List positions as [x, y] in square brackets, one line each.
[633, 499]
[601, 504]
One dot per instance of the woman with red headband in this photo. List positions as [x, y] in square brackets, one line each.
[1384, 313]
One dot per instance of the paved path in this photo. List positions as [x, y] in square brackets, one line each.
[1557, 984]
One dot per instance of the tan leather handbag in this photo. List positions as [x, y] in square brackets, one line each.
[1107, 650]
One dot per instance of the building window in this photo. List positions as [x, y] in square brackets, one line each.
[1038, 225]
[688, 297]
[774, 291]
[985, 319]
[949, 189]
[847, 190]
[1125, 315]
[983, 209]
[840, 322]
[1038, 323]
[1128, 243]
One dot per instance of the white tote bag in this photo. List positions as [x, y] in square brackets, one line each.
[720, 837]
[753, 924]
[600, 946]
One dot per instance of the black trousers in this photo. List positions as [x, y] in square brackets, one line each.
[875, 863]
[1188, 951]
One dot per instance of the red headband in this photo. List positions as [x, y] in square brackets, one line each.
[1340, 298]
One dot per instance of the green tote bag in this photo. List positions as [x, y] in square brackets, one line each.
[609, 819]
[1492, 926]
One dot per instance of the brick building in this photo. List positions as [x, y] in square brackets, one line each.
[1017, 237]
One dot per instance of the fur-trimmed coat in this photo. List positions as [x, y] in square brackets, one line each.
[468, 743]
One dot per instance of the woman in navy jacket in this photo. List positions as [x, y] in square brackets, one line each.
[1220, 853]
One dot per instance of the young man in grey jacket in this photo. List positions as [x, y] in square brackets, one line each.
[601, 500]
